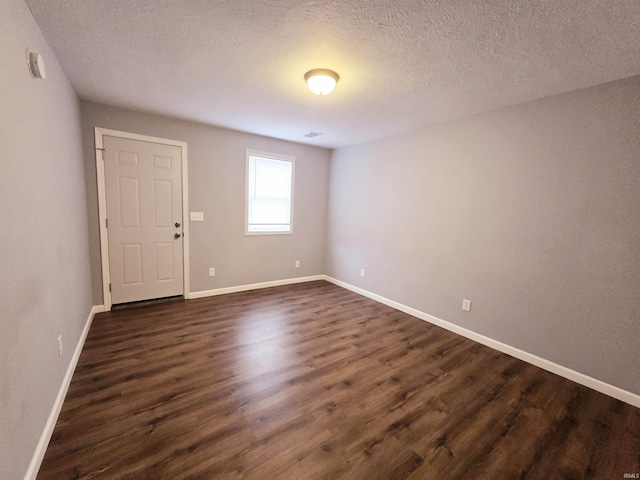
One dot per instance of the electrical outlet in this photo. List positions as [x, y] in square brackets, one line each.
[212, 271]
[466, 305]
[59, 345]
[362, 272]
[297, 263]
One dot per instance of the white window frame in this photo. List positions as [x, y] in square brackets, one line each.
[274, 156]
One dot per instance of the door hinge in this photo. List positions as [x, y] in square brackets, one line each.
[106, 223]
[109, 287]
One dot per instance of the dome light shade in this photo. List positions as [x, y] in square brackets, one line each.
[321, 81]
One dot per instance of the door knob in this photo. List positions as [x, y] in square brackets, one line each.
[177, 224]
[177, 235]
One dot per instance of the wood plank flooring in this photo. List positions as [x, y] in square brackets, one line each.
[313, 381]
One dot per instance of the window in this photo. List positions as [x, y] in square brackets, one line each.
[269, 193]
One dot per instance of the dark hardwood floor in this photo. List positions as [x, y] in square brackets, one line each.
[314, 381]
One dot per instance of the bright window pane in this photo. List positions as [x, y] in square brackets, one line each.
[269, 194]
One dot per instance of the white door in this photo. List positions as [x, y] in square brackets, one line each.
[144, 219]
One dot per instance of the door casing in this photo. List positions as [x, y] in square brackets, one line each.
[102, 205]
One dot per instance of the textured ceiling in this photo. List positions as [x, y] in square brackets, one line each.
[403, 64]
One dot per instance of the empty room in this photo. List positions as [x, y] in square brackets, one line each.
[297, 239]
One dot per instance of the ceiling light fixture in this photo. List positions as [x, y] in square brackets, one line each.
[321, 81]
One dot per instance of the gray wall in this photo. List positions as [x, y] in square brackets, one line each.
[531, 212]
[44, 260]
[216, 187]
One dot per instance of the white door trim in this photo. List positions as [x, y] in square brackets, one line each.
[102, 205]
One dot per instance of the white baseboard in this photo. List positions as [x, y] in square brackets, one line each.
[582, 379]
[255, 286]
[38, 455]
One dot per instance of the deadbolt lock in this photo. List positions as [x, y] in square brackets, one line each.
[177, 224]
